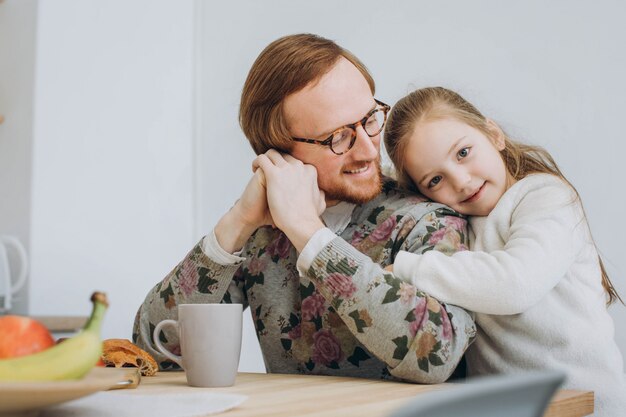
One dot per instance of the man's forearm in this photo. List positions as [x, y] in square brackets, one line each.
[300, 235]
[232, 233]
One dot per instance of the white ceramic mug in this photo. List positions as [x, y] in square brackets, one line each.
[8, 285]
[210, 342]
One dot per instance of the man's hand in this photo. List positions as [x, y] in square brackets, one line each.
[248, 214]
[252, 208]
[293, 196]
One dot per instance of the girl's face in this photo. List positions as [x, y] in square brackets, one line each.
[456, 165]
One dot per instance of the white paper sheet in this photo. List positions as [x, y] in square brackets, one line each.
[124, 404]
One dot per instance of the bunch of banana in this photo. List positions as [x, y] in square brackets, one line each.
[70, 359]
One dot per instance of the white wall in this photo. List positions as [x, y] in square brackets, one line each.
[550, 73]
[17, 64]
[112, 176]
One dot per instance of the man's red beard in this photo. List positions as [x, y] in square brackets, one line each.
[355, 193]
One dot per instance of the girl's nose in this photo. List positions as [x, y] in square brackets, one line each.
[461, 181]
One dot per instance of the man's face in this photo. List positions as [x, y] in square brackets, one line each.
[340, 97]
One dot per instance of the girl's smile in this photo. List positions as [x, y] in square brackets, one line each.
[474, 196]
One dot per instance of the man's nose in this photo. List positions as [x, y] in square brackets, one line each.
[365, 147]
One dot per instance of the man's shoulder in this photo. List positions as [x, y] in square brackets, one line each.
[396, 201]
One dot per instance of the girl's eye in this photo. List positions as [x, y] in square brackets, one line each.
[436, 180]
[463, 153]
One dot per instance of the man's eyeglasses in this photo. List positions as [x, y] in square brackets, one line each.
[342, 139]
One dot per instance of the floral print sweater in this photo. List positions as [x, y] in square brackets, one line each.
[347, 316]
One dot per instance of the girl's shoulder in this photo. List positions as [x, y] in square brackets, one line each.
[539, 192]
[540, 180]
[545, 184]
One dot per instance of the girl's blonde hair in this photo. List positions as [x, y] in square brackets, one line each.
[434, 103]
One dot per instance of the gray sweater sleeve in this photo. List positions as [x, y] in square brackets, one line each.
[195, 280]
[419, 338]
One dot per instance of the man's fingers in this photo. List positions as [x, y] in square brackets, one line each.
[276, 157]
[261, 176]
[291, 159]
[263, 162]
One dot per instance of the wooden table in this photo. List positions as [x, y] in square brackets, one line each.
[277, 395]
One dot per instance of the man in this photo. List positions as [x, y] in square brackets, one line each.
[320, 299]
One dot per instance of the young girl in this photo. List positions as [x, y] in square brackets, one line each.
[533, 275]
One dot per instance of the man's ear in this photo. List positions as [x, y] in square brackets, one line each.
[496, 135]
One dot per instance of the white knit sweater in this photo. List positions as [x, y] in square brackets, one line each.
[532, 277]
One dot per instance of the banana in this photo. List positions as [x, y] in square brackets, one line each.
[70, 359]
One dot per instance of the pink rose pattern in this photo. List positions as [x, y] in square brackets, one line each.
[457, 223]
[313, 306]
[313, 323]
[188, 279]
[280, 247]
[326, 348]
[357, 237]
[436, 236]
[446, 326]
[295, 332]
[257, 265]
[341, 285]
[383, 232]
[420, 314]
[451, 233]
[406, 292]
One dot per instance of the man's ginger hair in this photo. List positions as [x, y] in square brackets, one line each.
[285, 67]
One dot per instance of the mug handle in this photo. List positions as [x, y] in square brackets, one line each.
[160, 347]
[5, 277]
[21, 252]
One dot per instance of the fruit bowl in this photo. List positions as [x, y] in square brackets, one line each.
[27, 397]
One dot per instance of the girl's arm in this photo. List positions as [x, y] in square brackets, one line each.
[540, 248]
